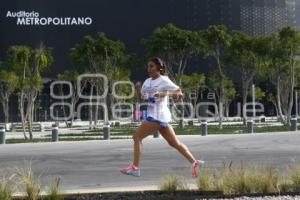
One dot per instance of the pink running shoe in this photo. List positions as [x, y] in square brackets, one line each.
[197, 166]
[131, 170]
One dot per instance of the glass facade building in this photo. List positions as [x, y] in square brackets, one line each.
[262, 17]
[254, 17]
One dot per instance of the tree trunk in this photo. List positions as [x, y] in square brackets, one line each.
[75, 99]
[96, 108]
[6, 110]
[64, 113]
[227, 107]
[181, 120]
[291, 94]
[282, 118]
[222, 91]
[73, 110]
[245, 95]
[30, 125]
[91, 109]
[221, 102]
[276, 108]
[29, 117]
[21, 109]
[247, 77]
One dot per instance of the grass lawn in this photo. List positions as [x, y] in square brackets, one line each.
[37, 140]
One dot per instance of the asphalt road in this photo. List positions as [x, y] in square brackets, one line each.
[96, 164]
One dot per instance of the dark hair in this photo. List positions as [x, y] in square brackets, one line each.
[162, 67]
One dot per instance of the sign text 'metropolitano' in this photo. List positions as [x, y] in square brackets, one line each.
[33, 19]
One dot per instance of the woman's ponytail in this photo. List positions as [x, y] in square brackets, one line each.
[164, 69]
[161, 65]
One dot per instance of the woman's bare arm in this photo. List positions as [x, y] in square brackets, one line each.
[177, 93]
[138, 94]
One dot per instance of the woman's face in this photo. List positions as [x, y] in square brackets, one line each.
[152, 69]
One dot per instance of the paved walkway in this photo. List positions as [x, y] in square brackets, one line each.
[93, 165]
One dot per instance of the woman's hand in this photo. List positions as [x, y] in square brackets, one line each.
[159, 94]
[177, 95]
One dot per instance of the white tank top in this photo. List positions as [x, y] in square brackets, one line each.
[157, 108]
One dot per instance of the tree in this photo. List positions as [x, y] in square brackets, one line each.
[19, 60]
[71, 76]
[214, 81]
[270, 97]
[259, 94]
[277, 71]
[290, 41]
[29, 64]
[100, 54]
[230, 94]
[240, 56]
[8, 83]
[192, 84]
[283, 67]
[175, 46]
[248, 56]
[218, 39]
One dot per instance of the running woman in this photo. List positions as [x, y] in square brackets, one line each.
[155, 91]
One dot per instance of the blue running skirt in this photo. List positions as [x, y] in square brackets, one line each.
[163, 124]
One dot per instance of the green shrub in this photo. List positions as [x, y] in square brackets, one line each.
[172, 184]
[205, 182]
[270, 181]
[295, 179]
[7, 187]
[53, 193]
[240, 181]
[29, 182]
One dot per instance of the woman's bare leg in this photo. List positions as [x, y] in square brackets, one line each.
[169, 135]
[145, 129]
